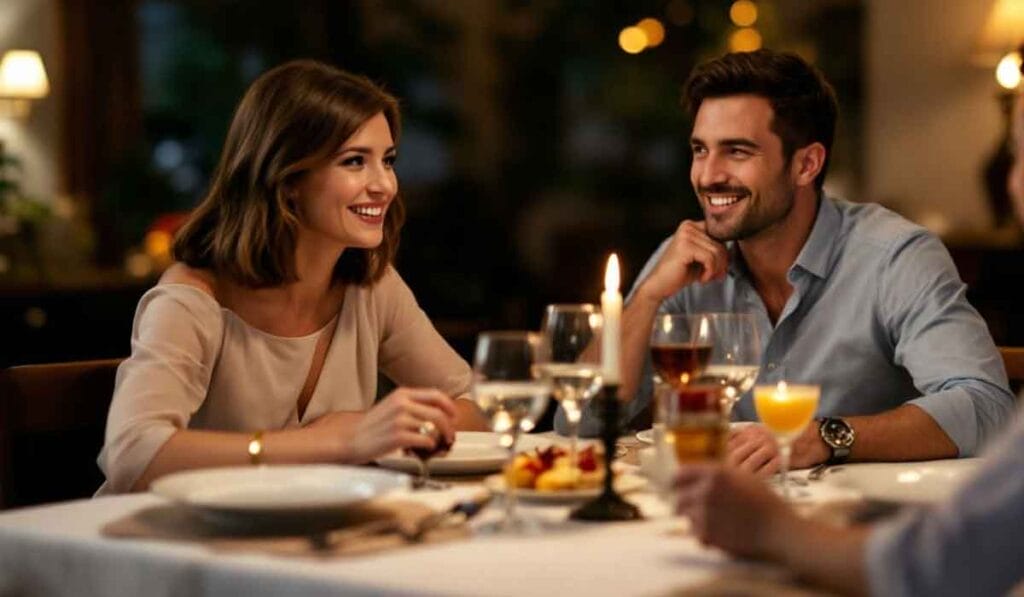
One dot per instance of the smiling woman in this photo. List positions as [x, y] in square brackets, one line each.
[263, 343]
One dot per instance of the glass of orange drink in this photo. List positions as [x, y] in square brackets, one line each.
[786, 409]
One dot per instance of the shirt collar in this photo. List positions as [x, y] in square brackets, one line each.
[818, 254]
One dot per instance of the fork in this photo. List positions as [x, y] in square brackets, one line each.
[818, 472]
[457, 514]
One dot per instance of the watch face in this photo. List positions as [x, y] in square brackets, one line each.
[838, 433]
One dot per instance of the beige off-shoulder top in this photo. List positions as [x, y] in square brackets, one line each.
[197, 365]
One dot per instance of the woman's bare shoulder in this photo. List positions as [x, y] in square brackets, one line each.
[202, 279]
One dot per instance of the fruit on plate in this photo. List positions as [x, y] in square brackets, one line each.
[549, 469]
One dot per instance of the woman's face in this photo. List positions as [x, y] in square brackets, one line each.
[344, 201]
[1015, 184]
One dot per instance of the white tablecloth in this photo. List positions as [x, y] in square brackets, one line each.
[58, 550]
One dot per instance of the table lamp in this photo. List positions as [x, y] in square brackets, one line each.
[996, 48]
[22, 79]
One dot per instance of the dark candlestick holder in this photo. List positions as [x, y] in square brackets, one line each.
[609, 505]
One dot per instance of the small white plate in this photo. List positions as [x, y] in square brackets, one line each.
[647, 435]
[625, 482]
[907, 482]
[273, 491]
[473, 453]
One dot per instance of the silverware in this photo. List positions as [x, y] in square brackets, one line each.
[459, 513]
[818, 472]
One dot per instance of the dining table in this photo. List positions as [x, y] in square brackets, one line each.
[66, 549]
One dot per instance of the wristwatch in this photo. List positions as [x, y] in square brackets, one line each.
[837, 435]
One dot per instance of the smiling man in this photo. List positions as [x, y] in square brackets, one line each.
[849, 296]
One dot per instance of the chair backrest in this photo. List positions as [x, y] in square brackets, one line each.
[52, 420]
[1013, 360]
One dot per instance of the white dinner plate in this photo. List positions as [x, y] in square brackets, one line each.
[647, 435]
[273, 491]
[907, 482]
[625, 482]
[473, 453]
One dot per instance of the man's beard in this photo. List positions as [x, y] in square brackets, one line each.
[758, 216]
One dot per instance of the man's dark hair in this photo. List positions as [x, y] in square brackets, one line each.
[803, 102]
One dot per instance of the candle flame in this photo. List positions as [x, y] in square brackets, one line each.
[782, 388]
[611, 274]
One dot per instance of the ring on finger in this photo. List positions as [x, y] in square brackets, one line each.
[427, 428]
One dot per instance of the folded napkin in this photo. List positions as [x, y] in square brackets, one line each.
[369, 528]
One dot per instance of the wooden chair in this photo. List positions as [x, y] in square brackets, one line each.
[1013, 360]
[52, 419]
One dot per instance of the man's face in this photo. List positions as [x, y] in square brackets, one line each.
[739, 173]
[1015, 184]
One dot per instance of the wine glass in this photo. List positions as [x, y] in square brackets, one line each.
[423, 455]
[507, 391]
[735, 357]
[571, 335]
[786, 409]
[680, 349]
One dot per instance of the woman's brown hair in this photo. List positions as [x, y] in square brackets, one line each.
[293, 118]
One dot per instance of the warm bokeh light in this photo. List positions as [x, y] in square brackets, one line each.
[679, 12]
[653, 30]
[632, 40]
[745, 40]
[158, 245]
[743, 13]
[23, 76]
[1008, 71]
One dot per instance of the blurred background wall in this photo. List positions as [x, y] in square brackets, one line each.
[534, 143]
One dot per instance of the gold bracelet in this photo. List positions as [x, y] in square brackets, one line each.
[256, 448]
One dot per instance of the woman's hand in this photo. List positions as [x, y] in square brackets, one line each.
[732, 510]
[395, 423]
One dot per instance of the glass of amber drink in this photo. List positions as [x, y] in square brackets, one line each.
[786, 409]
[696, 428]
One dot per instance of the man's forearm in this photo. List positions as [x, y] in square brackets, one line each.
[904, 433]
[637, 319]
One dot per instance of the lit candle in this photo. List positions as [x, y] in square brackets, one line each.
[611, 309]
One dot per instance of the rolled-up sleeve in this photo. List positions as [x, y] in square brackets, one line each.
[176, 337]
[942, 341]
[972, 544]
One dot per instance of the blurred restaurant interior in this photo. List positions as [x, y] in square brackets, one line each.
[538, 137]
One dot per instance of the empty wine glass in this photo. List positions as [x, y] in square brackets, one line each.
[571, 335]
[735, 356]
[507, 391]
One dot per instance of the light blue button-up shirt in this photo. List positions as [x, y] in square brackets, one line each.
[878, 318]
[972, 544]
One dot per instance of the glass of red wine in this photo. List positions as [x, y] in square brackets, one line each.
[423, 455]
[681, 347]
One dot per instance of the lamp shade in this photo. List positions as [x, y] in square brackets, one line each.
[22, 75]
[1003, 30]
